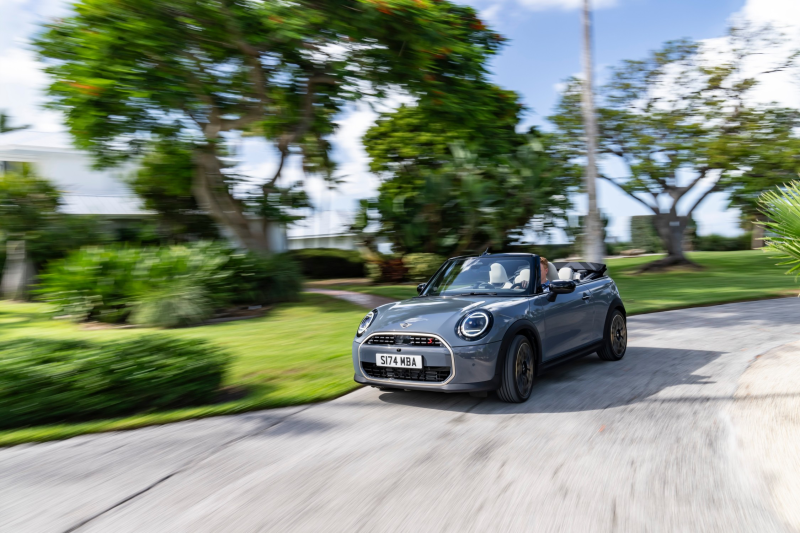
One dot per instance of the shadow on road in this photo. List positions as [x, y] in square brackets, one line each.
[585, 384]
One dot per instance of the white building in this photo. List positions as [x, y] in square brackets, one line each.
[85, 191]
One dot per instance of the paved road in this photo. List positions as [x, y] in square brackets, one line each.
[645, 444]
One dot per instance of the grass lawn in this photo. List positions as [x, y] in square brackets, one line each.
[297, 353]
[727, 277]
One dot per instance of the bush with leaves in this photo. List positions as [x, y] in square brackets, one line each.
[46, 381]
[422, 266]
[329, 263]
[721, 243]
[167, 286]
[95, 283]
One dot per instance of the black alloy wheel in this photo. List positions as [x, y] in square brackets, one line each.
[615, 337]
[518, 372]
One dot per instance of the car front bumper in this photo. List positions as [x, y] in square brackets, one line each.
[471, 368]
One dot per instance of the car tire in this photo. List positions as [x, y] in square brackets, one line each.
[518, 371]
[615, 337]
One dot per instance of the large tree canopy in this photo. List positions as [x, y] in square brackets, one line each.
[129, 72]
[680, 118]
[450, 188]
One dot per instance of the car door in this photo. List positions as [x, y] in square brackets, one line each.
[568, 322]
[599, 298]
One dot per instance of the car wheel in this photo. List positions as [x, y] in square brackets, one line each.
[518, 372]
[615, 337]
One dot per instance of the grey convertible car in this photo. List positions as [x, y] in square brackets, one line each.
[486, 323]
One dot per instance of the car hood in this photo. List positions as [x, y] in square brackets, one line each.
[439, 315]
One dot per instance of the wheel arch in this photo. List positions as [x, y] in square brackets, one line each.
[616, 303]
[526, 328]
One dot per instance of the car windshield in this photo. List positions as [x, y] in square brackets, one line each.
[503, 276]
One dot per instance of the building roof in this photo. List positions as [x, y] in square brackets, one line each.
[75, 204]
[30, 141]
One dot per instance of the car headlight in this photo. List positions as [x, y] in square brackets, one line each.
[475, 325]
[366, 322]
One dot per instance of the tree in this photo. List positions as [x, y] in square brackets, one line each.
[129, 72]
[470, 203]
[677, 120]
[26, 204]
[776, 164]
[180, 216]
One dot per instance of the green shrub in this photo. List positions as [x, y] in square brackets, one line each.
[720, 243]
[329, 263]
[181, 302]
[422, 266]
[644, 235]
[167, 286]
[93, 283]
[258, 280]
[387, 269]
[44, 381]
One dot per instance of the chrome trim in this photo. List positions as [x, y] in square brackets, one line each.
[401, 381]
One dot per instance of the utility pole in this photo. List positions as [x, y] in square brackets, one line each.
[593, 246]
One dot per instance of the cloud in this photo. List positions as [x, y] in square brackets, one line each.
[779, 12]
[784, 15]
[23, 82]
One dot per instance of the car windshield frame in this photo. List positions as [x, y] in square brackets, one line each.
[472, 261]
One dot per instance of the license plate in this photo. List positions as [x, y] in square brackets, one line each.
[400, 361]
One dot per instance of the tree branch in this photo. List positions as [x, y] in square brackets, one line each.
[650, 207]
[252, 57]
[702, 197]
[268, 185]
[302, 127]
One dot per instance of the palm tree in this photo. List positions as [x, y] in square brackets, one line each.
[782, 208]
[593, 244]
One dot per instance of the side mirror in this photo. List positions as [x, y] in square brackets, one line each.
[421, 287]
[562, 286]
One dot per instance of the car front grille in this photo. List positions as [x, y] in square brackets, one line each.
[411, 340]
[427, 373]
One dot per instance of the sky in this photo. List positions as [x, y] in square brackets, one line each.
[543, 50]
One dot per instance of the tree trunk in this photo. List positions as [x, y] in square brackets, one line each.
[213, 195]
[757, 240]
[18, 272]
[671, 229]
[593, 244]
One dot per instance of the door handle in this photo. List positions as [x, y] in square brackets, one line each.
[586, 296]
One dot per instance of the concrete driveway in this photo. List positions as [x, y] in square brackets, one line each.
[644, 444]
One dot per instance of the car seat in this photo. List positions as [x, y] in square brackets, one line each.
[497, 274]
[524, 275]
[566, 273]
[552, 272]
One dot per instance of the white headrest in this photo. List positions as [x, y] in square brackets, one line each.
[524, 275]
[565, 273]
[552, 273]
[497, 274]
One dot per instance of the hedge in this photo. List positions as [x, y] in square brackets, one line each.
[46, 381]
[165, 286]
[329, 263]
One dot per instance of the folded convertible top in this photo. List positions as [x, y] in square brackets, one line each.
[595, 270]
